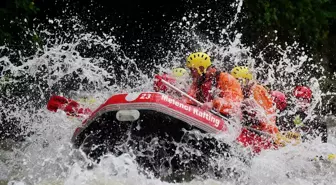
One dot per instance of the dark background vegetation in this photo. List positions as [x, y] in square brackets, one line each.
[312, 23]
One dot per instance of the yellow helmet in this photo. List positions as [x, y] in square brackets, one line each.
[179, 72]
[241, 72]
[198, 60]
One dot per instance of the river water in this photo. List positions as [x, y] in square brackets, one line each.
[63, 67]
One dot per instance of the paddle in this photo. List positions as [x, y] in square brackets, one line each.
[212, 111]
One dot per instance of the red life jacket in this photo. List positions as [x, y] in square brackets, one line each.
[206, 86]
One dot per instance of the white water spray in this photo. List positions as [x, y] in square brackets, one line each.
[46, 157]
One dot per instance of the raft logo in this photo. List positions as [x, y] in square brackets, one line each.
[176, 103]
[206, 115]
[203, 114]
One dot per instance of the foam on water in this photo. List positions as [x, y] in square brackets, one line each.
[88, 65]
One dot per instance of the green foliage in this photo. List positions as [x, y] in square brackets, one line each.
[15, 26]
[306, 21]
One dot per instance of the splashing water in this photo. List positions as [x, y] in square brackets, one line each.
[87, 65]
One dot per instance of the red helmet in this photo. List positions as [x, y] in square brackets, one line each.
[303, 92]
[279, 99]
